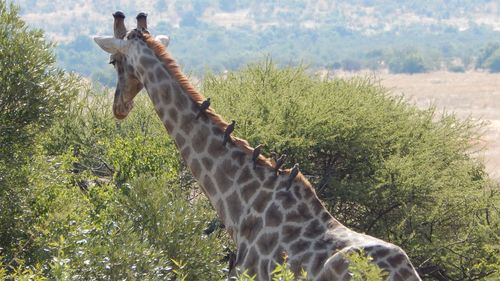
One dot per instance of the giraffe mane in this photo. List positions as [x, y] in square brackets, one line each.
[174, 69]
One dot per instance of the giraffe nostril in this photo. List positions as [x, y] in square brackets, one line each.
[121, 111]
[120, 116]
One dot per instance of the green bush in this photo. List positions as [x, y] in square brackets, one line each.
[380, 165]
[408, 61]
[456, 68]
[85, 197]
[360, 267]
[486, 54]
[493, 62]
[109, 200]
[33, 93]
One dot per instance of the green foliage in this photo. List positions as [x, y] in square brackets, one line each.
[309, 31]
[110, 200]
[494, 65]
[408, 61]
[362, 268]
[33, 93]
[281, 272]
[489, 57]
[380, 165]
[85, 197]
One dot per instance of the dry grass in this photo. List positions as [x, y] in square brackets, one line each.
[471, 94]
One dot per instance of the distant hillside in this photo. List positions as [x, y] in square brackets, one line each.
[224, 34]
[65, 20]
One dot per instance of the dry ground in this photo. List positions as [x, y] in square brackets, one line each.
[471, 94]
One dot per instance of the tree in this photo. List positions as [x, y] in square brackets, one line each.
[486, 53]
[33, 90]
[407, 61]
[380, 165]
[494, 65]
[32, 93]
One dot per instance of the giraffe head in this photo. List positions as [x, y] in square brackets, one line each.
[122, 47]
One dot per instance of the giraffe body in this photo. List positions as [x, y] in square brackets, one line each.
[266, 213]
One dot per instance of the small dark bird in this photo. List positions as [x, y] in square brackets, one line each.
[213, 226]
[203, 107]
[255, 155]
[293, 174]
[119, 28]
[227, 132]
[274, 156]
[279, 162]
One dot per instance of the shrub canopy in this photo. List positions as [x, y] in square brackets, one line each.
[84, 197]
[381, 166]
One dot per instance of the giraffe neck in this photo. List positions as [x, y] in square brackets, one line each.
[198, 140]
[264, 215]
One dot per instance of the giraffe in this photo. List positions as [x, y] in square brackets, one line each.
[266, 210]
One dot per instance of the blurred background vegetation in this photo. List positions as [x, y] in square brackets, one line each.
[407, 36]
[85, 197]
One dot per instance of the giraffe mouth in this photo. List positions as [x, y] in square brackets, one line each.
[122, 110]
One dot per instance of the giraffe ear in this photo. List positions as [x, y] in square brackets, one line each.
[164, 39]
[112, 45]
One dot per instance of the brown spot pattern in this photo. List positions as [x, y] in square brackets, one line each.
[186, 152]
[180, 140]
[196, 167]
[317, 207]
[148, 62]
[260, 172]
[229, 168]
[186, 123]
[299, 246]
[245, 175]
[249, 189]
[216, 149]
[381, 253]
[250, 227]
[264, 269]
[234, 206]
[323, 244]
[404, 272]
[318, 262]
[297, 192]
[180, 99]
[273, 216]
[239, 156]
[396, 260]
[208, 184]
[222, 180]
[286, 198]
[200, 138]
[261, 201]
[314, 229]
[267, 242]
[270, 183]
[207, 163]
[290, 233]
[340, 266]
[251, 261]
